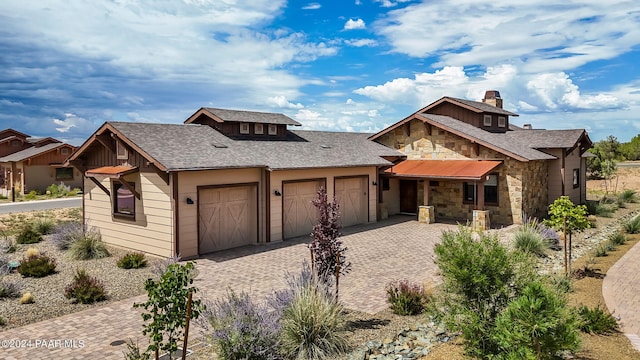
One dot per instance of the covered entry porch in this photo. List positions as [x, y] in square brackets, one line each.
[448, 189]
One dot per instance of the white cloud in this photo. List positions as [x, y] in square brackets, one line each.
[389, 3]
[71, 121]
[349, 101]
[557, 90]
[312, 6]
[282, 102]
[361, 42]
[354, 24]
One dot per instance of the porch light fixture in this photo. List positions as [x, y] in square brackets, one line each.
[277, 193]
[189, 201]
[374, 183]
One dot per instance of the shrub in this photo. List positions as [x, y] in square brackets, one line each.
[406, 298]
[601, 208]
[58, 190]
[600, 250]
[628, 196]
[37, 266]
[31, 252]
[27, 298]
[43, 225]
[9, 289]
[132, 261]
[632, 226]
[85, 289]
[530, 241]
[537, 324]
[562, 284]
[3, 322]
[67, 233]
[243, 329]
[596, 320]
[32, 195]
[4, 265]
[89, 246]
[28, 236]
[8, 246]
[134, 352]
[617, 238]
[311, 322]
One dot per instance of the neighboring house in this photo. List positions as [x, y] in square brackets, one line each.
[28, 163]
[223, 179]
[464, 159]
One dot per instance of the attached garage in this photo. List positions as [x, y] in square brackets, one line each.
[227, 217]
[298, 213]
[351, 193]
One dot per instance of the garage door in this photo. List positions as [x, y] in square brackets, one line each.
[227, 217]
[299, 214]
[351, 194]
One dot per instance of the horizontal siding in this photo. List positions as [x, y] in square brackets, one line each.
[152, 230]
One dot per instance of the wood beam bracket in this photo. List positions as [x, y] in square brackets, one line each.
[129, 187]
[99, 184]
[107, 142]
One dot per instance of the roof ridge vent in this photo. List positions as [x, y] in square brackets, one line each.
[325, 146]
[219, 146]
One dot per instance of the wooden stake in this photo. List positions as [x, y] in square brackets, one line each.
[186, 326]
[564, 232]
[337, 273]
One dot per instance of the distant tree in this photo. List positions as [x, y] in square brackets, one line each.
[564, 215]
[631, 150]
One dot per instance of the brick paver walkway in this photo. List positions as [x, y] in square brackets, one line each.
[396, 248]
[621, 291]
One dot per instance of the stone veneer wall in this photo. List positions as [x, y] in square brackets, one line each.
[518, 182]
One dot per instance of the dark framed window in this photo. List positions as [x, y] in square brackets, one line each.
[502, 121]
[64, 174]
[470, 191]
[15, 143]
[487, 120]
[121, 151]
[124, 201]
[385, 184]
[576, 178]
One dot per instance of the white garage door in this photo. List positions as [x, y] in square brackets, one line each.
[299, 214]
[351, 194]
[227, 217]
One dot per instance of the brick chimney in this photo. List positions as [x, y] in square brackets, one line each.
[492, 97]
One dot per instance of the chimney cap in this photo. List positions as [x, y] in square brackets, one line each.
[492, 94]
[527, 126]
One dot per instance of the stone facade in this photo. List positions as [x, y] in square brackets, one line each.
[522, 186]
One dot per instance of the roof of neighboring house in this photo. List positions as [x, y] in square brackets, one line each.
[192, 147]
[476, 106]
[48, 139]
[13, 132]
[222, 115]
[31, 152]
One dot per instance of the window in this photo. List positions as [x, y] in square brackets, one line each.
[273, 129]
[124, 201]
[64, 174]
[258, 129]
[385, 184]
[15, 143]
[502, 121]
[487, 120]
[490, 191]
[64, 151]
[576, 178]
[244, 128]
[121, 151]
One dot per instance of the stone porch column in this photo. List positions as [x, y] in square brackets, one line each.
[426, 214]
[481, 220]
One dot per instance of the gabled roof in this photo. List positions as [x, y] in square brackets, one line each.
[11, 132]
[32, 152]
[175, 147]
[222, 115]
[549, 139]
[475, 106]
[45, 140]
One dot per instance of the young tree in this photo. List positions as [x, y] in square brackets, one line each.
[327, 250]
[167, 308]
[570, 218]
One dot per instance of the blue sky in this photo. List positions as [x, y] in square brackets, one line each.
[68, 66]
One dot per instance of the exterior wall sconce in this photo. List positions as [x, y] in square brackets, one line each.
[374, 183]
[277, 193]
[189, 201]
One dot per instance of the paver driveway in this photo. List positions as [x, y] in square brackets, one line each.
[396, 248]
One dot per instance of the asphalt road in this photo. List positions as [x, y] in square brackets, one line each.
[18, 207]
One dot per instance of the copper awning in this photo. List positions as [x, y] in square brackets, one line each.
[444, 169]
[112, 171]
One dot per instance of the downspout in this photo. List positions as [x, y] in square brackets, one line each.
[267, 204]
[562, 171]
[176, 214]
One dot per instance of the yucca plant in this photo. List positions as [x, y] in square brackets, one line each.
[528, 240]
[632, 226]
[628, 196]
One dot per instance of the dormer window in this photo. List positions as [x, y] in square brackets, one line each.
[502, 121]
[273, 129]
[121, 151]
[258, 128]
[15, 143]
[64, 151]
[487, 120]
[244, 128]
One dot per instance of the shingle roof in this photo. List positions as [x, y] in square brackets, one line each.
[192, 147]
[252, 116]
[482, 106]
[499, 141]
[544, 139]
[30, 152]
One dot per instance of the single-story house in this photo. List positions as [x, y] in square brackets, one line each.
[463, 156]
[223, 179]
[228, 178]
[28, 163]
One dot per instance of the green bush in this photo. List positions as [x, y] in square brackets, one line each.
[85, 289]
[37, 266]
[56, 190]
[601, 208]
[311, 323]
[632, 226]
[600, 250]
[537, 324]
[596, 320]
[32, 195]
[406, 298]
[132, 261]
[628, 196]
[3, 322]
[617, 238]
[89, 246]
[28, 236]
[43, 225]
[527, 240]
[562, 284]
